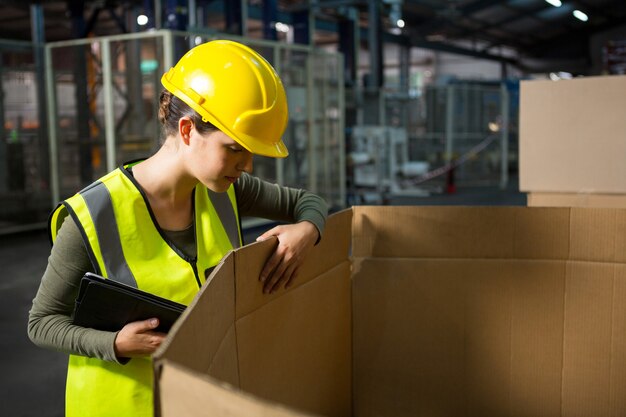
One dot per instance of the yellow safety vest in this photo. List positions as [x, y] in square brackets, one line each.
[126, 244]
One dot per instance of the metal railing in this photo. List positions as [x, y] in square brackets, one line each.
[313, 79]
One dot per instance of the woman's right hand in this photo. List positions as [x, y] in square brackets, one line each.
[138, 339]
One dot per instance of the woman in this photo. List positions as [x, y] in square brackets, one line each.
[162, 224]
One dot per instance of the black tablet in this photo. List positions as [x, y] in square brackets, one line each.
[105, 304]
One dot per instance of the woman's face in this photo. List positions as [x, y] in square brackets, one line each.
[216, 160]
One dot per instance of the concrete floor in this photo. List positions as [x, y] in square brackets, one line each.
[32, 381]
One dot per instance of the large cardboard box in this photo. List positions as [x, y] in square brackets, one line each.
[414, 311]
[573, 136]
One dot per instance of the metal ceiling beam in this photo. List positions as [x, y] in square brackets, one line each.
[452, 49]
[468, 33]
[464, 11]
[417, 41]
[581, 36]
[413, 40]
[479, 5]
[520, 15]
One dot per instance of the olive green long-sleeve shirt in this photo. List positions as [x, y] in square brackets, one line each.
[50, 322]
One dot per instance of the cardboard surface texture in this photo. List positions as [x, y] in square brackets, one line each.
[576, 200]
[573, 136]
[414, 311]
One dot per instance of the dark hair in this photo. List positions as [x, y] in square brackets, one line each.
[171, 109]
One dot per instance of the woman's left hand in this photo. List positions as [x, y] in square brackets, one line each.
[294, 243]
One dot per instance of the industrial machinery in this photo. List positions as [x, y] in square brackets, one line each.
[379, 162]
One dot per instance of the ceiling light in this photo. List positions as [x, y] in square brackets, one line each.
[580, 15]
[282, 27]
[555, 3]
[400, 23]
[142, 20]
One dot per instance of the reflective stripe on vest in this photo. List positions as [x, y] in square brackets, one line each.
[100, 208]
[125, 243]
[224, 208]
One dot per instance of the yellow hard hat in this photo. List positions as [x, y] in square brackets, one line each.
[235, 89]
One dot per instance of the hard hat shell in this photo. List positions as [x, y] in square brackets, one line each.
[234, 88]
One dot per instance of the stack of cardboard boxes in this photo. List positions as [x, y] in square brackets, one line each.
[573, 142]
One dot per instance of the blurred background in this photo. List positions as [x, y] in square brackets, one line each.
[390, 102]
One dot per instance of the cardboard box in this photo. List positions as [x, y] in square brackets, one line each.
[414, 311]
[573, 135]
[576, 200]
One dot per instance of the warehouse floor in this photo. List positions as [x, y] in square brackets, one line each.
[32, 381]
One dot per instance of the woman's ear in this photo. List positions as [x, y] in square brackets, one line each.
[185, 126]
